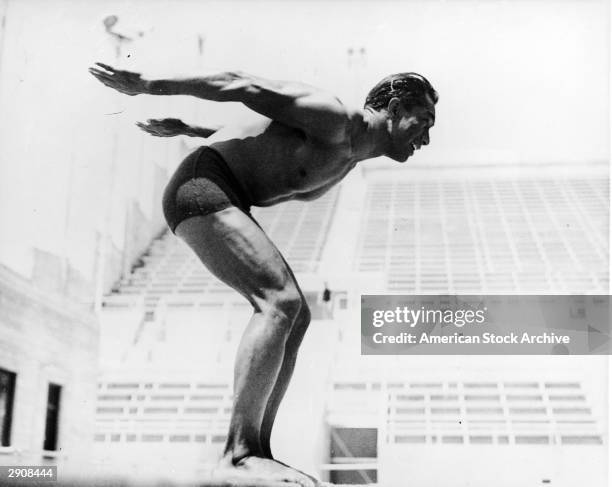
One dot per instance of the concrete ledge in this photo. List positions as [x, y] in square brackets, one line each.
[154, 483]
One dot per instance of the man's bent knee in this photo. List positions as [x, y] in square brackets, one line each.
[300, 326]
[286, 304]
[304, 316]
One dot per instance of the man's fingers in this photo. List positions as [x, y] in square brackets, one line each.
[110, 71]
[100, 75]
[144, 126]
[107, 67]
[100, 72]
[110, 81]
[148, 129]
[97, 72]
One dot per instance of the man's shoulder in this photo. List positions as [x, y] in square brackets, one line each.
[330, 116]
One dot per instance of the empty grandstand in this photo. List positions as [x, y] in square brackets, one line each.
[463, 231]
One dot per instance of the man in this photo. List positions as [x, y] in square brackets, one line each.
[305, 143]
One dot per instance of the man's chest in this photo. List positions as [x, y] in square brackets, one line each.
[315, 166]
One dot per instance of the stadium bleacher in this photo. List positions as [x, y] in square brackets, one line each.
[519, 234]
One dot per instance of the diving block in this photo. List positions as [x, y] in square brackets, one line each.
[262, 483]
[243, 483]
[100, 482]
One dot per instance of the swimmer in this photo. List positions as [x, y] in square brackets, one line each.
[306, 141]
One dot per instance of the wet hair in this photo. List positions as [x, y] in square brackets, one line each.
[411, 88]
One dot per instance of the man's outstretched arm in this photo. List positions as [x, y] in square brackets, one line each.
[316, 112]
[171, 127]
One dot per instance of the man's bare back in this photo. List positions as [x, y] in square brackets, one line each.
[305, 143]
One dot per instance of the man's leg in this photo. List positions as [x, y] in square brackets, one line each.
[292, 346]
[238, 252]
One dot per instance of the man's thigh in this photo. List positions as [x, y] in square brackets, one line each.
[236, 250]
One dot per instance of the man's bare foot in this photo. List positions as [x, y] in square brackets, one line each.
[316, 481]
[263, 469]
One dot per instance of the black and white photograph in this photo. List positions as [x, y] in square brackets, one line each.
[305, 243]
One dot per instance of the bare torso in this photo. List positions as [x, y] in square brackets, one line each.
[274, 162]
[302, 145]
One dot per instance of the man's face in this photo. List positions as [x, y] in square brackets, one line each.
[409, 129]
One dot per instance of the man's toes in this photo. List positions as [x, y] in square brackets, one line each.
[313, 481]
[304, 482]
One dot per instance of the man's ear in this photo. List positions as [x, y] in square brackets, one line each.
[394, 107]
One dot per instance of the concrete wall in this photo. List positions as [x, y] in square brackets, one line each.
[45, 339]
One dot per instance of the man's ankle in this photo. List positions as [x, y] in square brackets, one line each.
[235, 454]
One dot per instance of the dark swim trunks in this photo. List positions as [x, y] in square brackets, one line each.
[202, 184]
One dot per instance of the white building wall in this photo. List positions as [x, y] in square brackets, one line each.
[45, 340]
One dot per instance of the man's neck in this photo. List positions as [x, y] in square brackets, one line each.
[369, 136]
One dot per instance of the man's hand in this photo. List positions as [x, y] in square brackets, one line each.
[170, 127]
[126, 82]
[164, 127]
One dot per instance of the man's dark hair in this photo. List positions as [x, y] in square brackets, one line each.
[411, 88]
